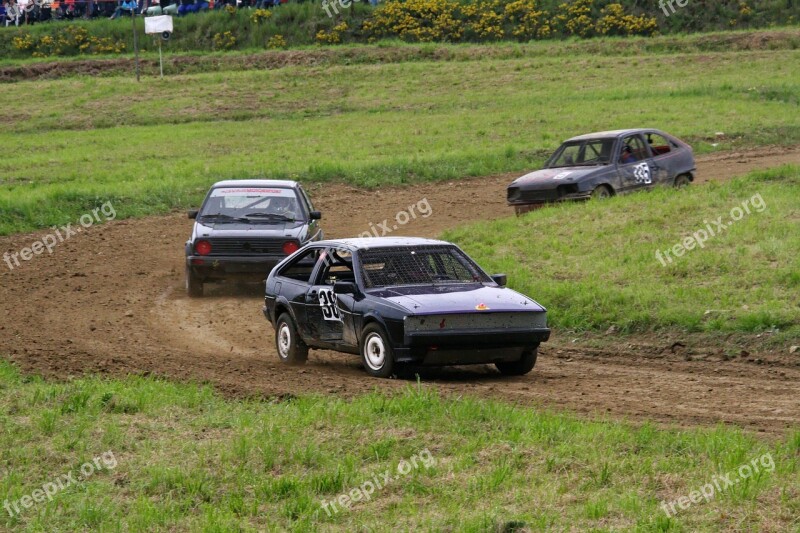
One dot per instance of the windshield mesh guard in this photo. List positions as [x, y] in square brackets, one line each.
[419, 265]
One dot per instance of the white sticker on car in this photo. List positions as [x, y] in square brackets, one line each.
[327, 301]
[561, 175]
[642, 173]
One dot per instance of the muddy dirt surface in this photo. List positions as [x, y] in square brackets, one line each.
[111, 300]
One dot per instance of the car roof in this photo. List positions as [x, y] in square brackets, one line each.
[255, 183]
[361, 243]
[611, 134]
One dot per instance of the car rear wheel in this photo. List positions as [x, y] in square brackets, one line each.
[682, 181]
[194, 285]
[376, 352]
[521, 367]
[291, 348]
[601, 192]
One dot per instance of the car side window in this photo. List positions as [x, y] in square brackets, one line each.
[632, 150]
[658, 144]
[301, 268]
[306, 200]
[337, 266]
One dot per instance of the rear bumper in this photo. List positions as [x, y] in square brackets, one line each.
[468, 347]
[212, 268]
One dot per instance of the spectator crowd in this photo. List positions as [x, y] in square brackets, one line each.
[19, 12]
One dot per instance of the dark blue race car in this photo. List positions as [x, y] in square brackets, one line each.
[400, 300]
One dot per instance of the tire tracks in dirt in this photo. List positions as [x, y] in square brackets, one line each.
[111, 301]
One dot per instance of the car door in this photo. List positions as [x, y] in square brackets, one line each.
[634, 164]
[661, 150]
[293, 282]
[322, 308]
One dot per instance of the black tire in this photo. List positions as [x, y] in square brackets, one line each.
[376, 351]
[291, 348]
[194, 285]
[682, 181]
[521, 367]
[601, 192]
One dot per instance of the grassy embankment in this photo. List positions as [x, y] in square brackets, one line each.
[299, 24]
[157, 145]
[598, 264]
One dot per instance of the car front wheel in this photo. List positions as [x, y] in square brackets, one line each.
[291, 348]
[376, 352]
[521, 367]
[682, 181]
[194, 285]
[601, 192]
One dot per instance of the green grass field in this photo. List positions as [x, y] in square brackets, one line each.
[271, 465]
[595, 264]
[187, 459]
[157, 145]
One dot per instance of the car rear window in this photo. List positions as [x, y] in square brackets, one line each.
[382, 267]
[256, 203]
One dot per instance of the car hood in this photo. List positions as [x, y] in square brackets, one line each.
[292, 230]
[549, 178]
[473, 298]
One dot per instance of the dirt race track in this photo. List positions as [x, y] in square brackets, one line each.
[111, 300]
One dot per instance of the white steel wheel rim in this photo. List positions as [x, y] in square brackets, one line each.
[284, 340]
[374, 352]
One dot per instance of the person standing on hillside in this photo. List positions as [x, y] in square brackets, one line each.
[12, 13]
[127, 5]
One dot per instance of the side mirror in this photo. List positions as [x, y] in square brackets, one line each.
[500, 279]
[344, 287]
[192, 214]
[315, 215]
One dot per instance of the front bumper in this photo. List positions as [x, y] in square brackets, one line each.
[215, 268]
[521, 207]
[469, 346]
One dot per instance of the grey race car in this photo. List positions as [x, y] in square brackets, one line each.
[246, 227]
[400, 300]
[599, 165]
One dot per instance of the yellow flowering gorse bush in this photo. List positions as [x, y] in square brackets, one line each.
[260, 15]
[224, 41]
[614, 21]
[334, 36]
[417, 20]
[482, 20]
[67, 41]
[276, 41]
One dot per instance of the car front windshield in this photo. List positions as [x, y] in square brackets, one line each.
[582, 153]
[418, 265]
[252, 204]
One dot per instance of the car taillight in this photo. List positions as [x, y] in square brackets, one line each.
[290, 247]
[202, 247]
